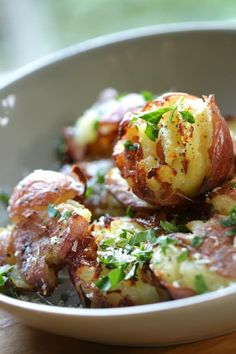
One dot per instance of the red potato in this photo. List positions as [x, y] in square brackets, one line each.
[174, 149]
[42, 244]
[48, 221]
[95, 132]
[196, 262]
[41, 188]
[86, 267]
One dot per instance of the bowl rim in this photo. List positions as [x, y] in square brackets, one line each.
[161, 307]
[7, 302]
[114, 38]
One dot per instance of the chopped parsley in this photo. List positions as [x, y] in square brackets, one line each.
[95, 181]
[153, 118]
[187, 116]
[96, 124]
[53, 212]
[147, 95]
[4, 274]
[100, 177]
[130, 212]
[152, 132]
[231, 219]
[165, 241]
[200, 284]
[130, 146]
[169, 226]
[233, 185]
[124, 255]
[66, 215]
[4, 198]
[89, 192]
[174, 109]
[197, 241]
[182, 256]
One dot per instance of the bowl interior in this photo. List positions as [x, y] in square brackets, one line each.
[34, 109]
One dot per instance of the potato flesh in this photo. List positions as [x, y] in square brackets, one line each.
[182, 274]
[136, 292]
[177, 147]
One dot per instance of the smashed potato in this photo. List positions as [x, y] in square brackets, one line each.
[95, 132]
[110, 266]
[47, 223]
[174, 149]
[197, 262]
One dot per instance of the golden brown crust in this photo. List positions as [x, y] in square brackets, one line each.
[133, 167]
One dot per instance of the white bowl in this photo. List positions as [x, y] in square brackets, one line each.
[196, 58]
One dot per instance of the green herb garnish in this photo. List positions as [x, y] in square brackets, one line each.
[169, 226]
[4, 198]
[53, 212]
[231, 219]
[187, 116]
[130, 212]
[130, 146]
[233, 185]
[174, 109]
[116, 276]
[4, 274]
[200, 284]
[124, 255]
[96, 124]
[152, 132]
[197, 241]
[147, 95]
[100, 177]
[182, 256]
[66, 215]
[165, 241]
[103, 283]
[89, 192]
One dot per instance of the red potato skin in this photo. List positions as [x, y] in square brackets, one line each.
[38, 259]
[41, 188]
[220, 153]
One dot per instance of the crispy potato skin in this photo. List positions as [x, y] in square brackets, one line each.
[85, 269]
[39, 241]
[95, 133]
[42, 245]
[41, 188]
[213, 259]
[120, 189]
[185, 161]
